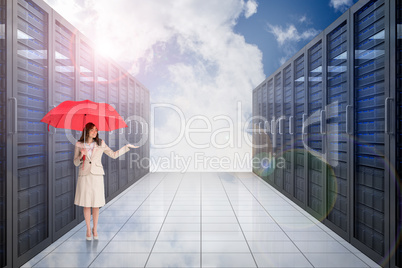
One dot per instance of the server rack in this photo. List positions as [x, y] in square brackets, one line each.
[397, 83]
[315, 129]
[102, 89]
[370, 187]
[64, 89]
[288, 131]
[123, 111]
[30, 201]
[113, 174]
[300, 115]
[270, 130]
[337, 143]
[132, 174]
[278, 130]
[5, 218]
[345, 109]
[147, 109]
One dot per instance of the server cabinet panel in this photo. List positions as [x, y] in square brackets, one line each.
[278, 170]
[86, 72]
[270, 129]
[337, 138]
[299, 93]
[398, 83]
[369, 95]
[138, 126]
[113, 177]
[315, 137]
[288, 145]
[3, 139]
[123, 110]
[131, 131]
[102, 82]
[31, 207]
[64, 188]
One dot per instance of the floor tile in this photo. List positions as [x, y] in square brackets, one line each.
[94, 246]
[273, 247]
[179, 236]
[66, 260]
[135, 236]
[281, 260]
[222, 236]
[119, 260]
[321, 247]
[223, 260]
[129, 247]
[179, 260]
[266, 236]
[177, 247]
[225, 246]
[335, 260]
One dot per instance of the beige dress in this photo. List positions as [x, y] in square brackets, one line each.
[90, 191]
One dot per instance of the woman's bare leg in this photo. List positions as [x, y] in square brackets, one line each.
[95, 217]
[87, 216]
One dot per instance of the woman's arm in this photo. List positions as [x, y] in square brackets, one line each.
[77, 155]
[116, 154]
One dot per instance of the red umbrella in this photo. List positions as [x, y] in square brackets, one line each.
[76, 114]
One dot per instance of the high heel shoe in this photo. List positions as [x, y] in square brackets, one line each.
[89, 238]
[95, 237]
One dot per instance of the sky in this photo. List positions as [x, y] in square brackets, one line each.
[200, 60]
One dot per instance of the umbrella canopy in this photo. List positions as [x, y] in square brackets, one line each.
[76, 114]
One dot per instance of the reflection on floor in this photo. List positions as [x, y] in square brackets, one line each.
[202, 220]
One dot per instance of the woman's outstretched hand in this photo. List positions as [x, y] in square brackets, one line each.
[132, 146]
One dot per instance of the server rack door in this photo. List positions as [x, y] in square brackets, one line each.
[300, 115]
[123, 111]
[288, 145]
[398, 123]
[143, 127]
[337, 138]
[315, 132]
[370, 215]
[270, 127]
[147, 126]
[5, 153]
[63, 90]
[102, 88]
[263, 131]
[137, 132]
[259, 131]
[31, 186]
[254, 122]
[278, 169]
[113, 178]
[131, 130]
[86, 75]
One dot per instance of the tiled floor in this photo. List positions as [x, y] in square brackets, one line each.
[202, 220]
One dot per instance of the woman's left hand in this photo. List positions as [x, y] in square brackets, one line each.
[132, 146]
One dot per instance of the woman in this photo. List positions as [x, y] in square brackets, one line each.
[90, 187]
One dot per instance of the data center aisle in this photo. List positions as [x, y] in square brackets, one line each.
[202, 220]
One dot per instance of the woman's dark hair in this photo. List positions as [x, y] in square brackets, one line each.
[86, 130]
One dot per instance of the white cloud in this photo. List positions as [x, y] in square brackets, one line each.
[341, 5]
[303, 19]
[291, 34]
[288, 38]
[251, 8]
[189, 49]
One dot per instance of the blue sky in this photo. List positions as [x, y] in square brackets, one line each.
[303, 14]
[200, 59]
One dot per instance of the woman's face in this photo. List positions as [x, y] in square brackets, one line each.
[93, 132]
